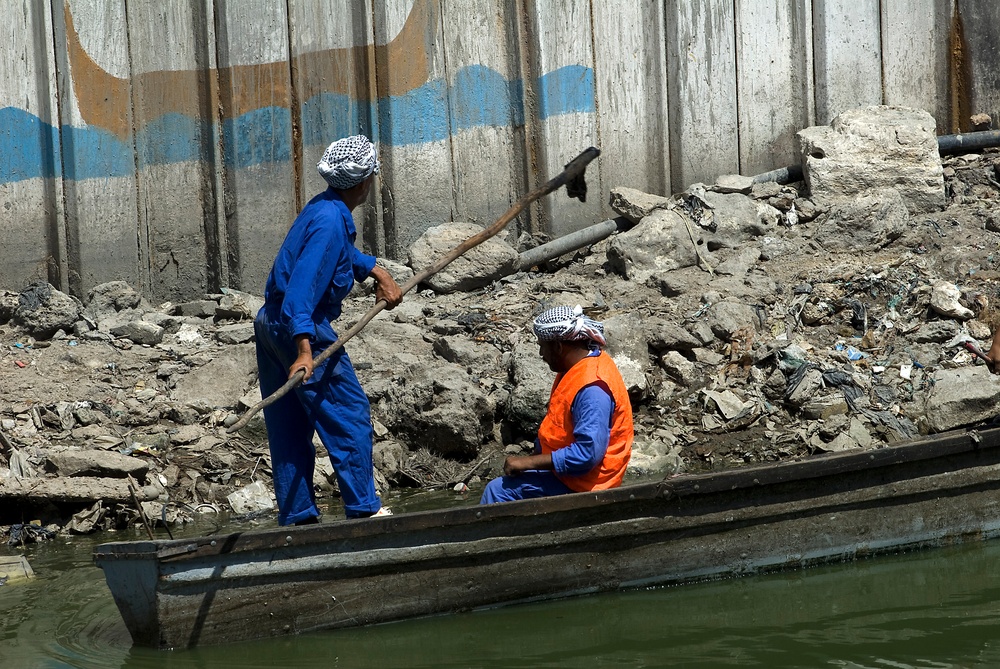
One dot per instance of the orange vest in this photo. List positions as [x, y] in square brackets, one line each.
[556, 430]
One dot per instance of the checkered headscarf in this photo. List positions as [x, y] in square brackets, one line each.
[348, 161]
[565, 324]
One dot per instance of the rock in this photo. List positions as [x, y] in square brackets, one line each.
[634, 204]
[107, 299]
[140, 332]
[679, 368]
[959, 397]
[738, 219]
[865, 223]
[945, 300]
[97, 463]
[661, 242]
[478, 267]
[463, 351]
[440, 407]
[733, 183]
[8, 305]
[627, 346]
[196, 309]
[237, 305]
[239, 333]
[739, 262]
[936, 332]
[726, 318]
[42, 310]
[665, 335]
[220, 382]
[531, 383]
[74, 490]
[876, 147]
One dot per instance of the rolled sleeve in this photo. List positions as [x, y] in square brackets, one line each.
[361, 263]
[591, 410]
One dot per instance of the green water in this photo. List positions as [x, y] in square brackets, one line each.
[934, 609]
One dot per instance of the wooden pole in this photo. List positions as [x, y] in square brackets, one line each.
[572, 177]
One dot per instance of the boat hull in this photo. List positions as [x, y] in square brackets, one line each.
[286, 581]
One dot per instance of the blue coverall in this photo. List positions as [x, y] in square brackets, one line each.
[312, 274]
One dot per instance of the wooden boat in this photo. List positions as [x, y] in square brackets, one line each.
[246, 585]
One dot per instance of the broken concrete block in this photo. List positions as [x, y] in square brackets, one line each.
[97, 463]
[876, 147]
[733, 183]
[480, 266]
[634, 204]
[140, 332]
[962, 396]
[661, 242]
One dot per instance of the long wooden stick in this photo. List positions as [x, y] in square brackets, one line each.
[571, 176]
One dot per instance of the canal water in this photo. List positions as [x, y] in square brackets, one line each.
[933, 609]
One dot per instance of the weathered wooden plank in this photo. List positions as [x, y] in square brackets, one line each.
[174, 98]
[916, 38]
[485, 109]
[979, 30]
[631, 90]
[847, 56]
[31, 213]
[256, 102]
[413, 123]
[98, 146]
[701, 61]
[773, 41]
[563, 82]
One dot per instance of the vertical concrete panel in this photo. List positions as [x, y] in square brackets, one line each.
[333, 94]
[256, 94]
[773, 40]
[630, 74]
[413, 120]
[174, 97]
[980, 92]
[915, 46]
[31, 216]
[98, 150]
[486, 109]
[846, 43]
[567, 123]
[701, 61]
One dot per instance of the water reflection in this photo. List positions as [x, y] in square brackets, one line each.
[933, 609]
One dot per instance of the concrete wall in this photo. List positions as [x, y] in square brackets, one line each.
[171, 143]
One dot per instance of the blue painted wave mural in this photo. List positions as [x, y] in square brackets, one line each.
[480, 96]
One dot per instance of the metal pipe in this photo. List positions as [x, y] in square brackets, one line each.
[570, 242]
[969, 141]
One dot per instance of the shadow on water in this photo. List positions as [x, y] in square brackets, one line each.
[931, 609]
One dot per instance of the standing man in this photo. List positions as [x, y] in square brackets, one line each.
[315, 269]
[585, 441]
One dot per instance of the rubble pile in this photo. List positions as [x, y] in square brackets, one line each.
[752, 322]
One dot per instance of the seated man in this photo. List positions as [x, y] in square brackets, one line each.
[585, 440]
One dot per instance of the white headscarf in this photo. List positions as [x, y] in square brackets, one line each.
[565, 324]
[348, 161]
